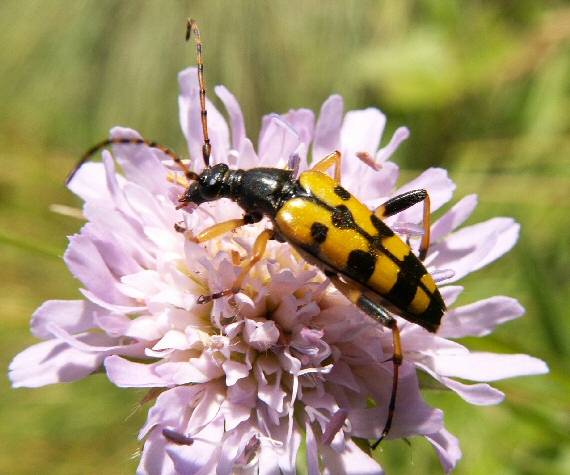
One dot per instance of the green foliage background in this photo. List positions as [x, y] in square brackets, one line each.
[484, 87]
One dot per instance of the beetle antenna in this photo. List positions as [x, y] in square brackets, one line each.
[206, 148]
[190, 175]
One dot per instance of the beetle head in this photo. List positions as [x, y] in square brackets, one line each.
[210, 185]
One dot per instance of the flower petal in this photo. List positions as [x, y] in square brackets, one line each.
[140, 163]
[447, 448]
[88, 265]
[353, 461]
[479, 318]
[481, 366]
[279, 138]
[327, 131]
[453, 218]
[203, 455]
[475, 246]
[54, 361]
[479, 394]
[129, 374]
[361, 132]
[89, 184]
[508, 234]
[312, 451]
[401, 134]
[75, 316]
[236, 119]
[413, 417]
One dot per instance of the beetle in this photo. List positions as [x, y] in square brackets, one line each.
[362, 256]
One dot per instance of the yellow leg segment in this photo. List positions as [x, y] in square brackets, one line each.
[218, 229]
[211, 232]
[327, 162]
[424, 244]
[258, 252]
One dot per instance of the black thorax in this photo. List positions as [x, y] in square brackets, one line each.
[258, 191]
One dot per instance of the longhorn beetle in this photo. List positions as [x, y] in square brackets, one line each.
[375, 269]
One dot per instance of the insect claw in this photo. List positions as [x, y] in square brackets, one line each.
[203, 299]
[217, 295]
[377, 443]
[180, 228]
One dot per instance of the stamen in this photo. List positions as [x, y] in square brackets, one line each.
[442, 274]
[293, 163]
[177, 437]
[369, 160]
[410, 229]
[335, 425]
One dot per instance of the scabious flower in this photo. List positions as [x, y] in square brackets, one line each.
[240, 383]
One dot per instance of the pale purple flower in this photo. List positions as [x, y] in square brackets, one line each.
[245, 380]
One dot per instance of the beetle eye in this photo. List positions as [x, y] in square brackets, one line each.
[212, 181]
[209, 186]
[193, 194]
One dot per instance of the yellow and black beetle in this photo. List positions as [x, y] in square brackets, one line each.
[375, 269]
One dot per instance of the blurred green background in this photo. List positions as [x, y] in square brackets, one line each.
[484, 87]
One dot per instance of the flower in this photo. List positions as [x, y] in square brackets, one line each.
[240, 382]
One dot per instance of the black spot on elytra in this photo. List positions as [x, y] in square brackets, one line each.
[430, 319]
[342, 217]
[409, 278]
[342, 193]
[382, 229]
[360, 265]
[319, 232]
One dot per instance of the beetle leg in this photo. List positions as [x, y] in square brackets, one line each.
[327, 162]
[258, 251]
[213, 231]
[219, 228]
[404, 201]
[378, 313]
[216, 229]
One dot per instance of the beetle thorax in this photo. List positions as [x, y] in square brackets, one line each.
[262, 191]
